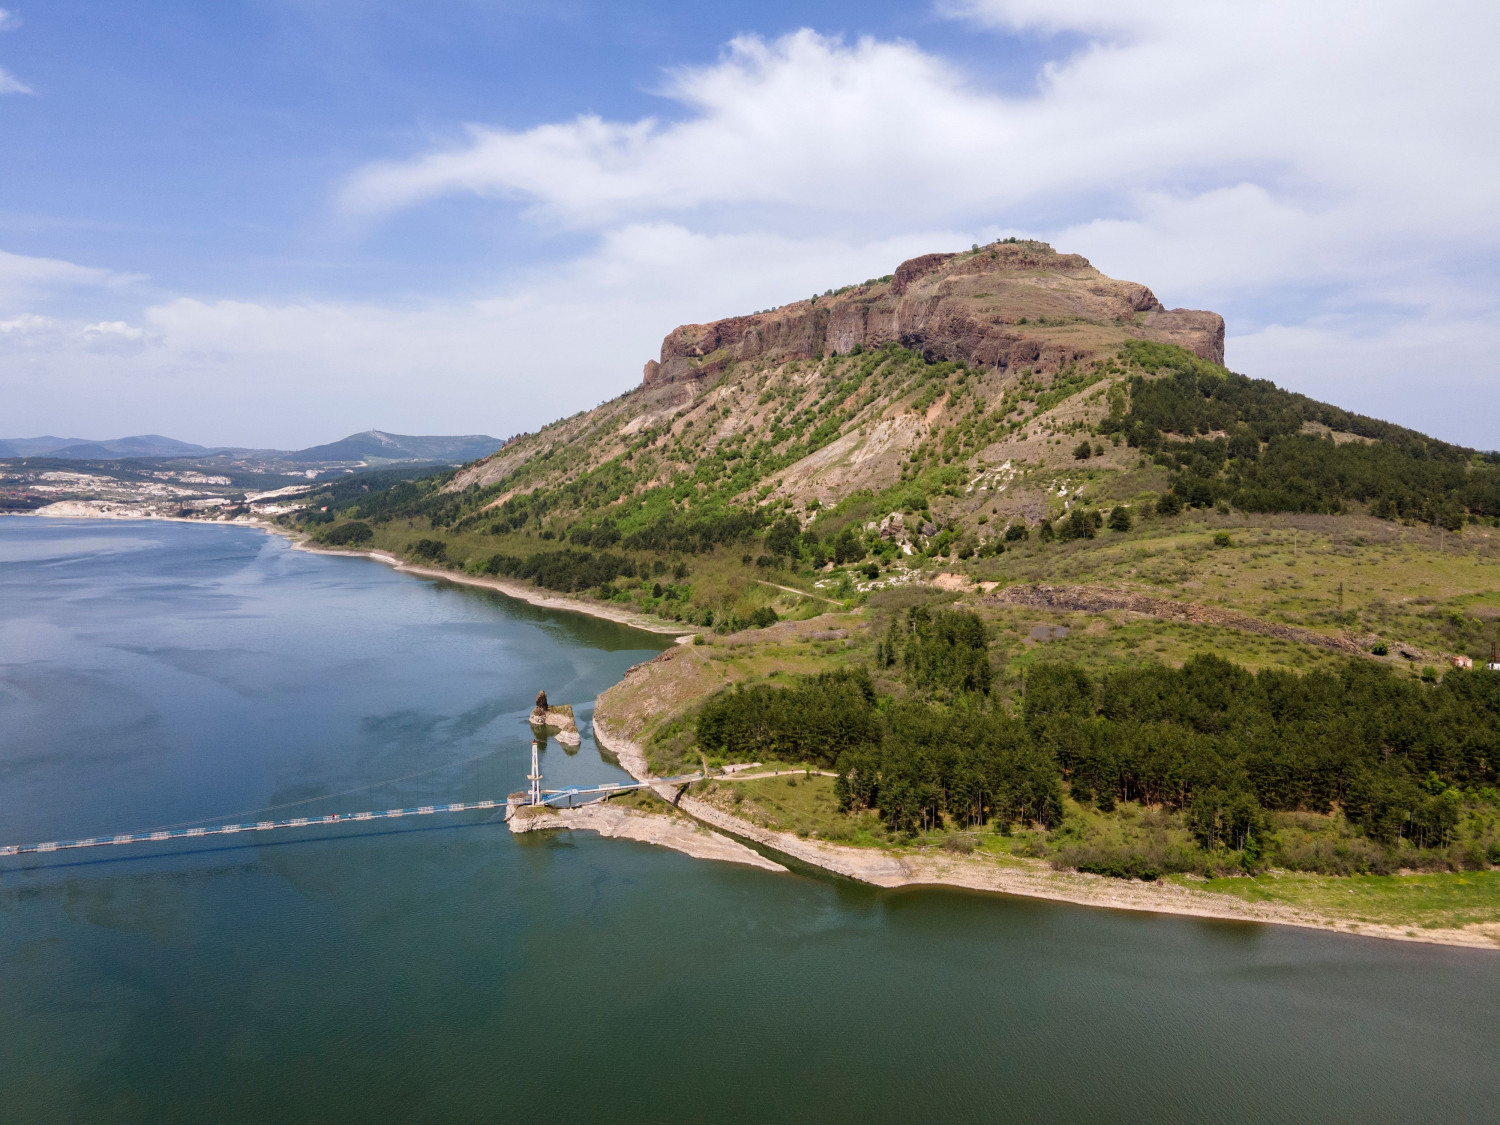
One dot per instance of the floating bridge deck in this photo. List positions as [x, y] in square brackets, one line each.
[164, 835]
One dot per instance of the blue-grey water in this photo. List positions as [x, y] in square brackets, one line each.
[441, 970]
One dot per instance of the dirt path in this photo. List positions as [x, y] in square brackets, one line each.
[803, 593]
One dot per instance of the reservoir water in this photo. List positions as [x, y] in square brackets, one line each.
[441, 970]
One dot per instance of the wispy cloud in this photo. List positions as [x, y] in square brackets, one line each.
[9, 83]
[25, 279]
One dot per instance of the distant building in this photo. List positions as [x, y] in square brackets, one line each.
[1466, 662]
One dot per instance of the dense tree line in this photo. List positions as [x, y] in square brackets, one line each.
[814, 721]
[1223, 745]
[347, 534]
[1222, 742]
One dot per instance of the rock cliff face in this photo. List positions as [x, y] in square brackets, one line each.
[1006, 306]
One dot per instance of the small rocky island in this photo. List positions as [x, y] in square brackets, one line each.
[557, 721]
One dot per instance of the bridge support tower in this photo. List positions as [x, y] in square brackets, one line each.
[535, 776]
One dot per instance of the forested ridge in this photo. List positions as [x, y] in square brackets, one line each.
[1261, 460]
[1405, 763]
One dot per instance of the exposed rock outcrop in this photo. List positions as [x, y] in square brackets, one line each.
[1004, 306]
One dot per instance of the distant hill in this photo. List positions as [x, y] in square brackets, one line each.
[370, 446]
[376, 445]
[81, 449]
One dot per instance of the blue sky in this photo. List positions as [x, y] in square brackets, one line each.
[272, 223]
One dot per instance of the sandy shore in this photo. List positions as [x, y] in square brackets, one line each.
[1026, 878]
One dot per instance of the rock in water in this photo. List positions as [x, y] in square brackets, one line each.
[559, 719]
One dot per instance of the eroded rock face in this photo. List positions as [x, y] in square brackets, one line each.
[1006, 306]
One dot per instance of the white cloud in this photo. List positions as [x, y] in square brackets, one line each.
[1392, 108]
[9, 83]
[24, 327]
[118, 329]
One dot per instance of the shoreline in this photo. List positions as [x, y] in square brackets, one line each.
[1022, 878]
[529, 594]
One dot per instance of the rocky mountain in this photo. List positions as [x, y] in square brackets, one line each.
[1011, 305]
[1013, 322]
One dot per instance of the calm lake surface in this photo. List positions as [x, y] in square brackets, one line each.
[442, 970]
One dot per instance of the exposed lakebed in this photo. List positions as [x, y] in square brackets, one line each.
[431, 970]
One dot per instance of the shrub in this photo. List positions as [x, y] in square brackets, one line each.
[1381, 649]
[1222, 539]
[1084, 451]
[763, 617]
[433, 550]
[1119, 518]
[1080, 524]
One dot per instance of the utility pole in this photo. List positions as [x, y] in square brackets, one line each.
[535, 776]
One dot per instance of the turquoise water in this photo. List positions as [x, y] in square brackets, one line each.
[443, 970]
